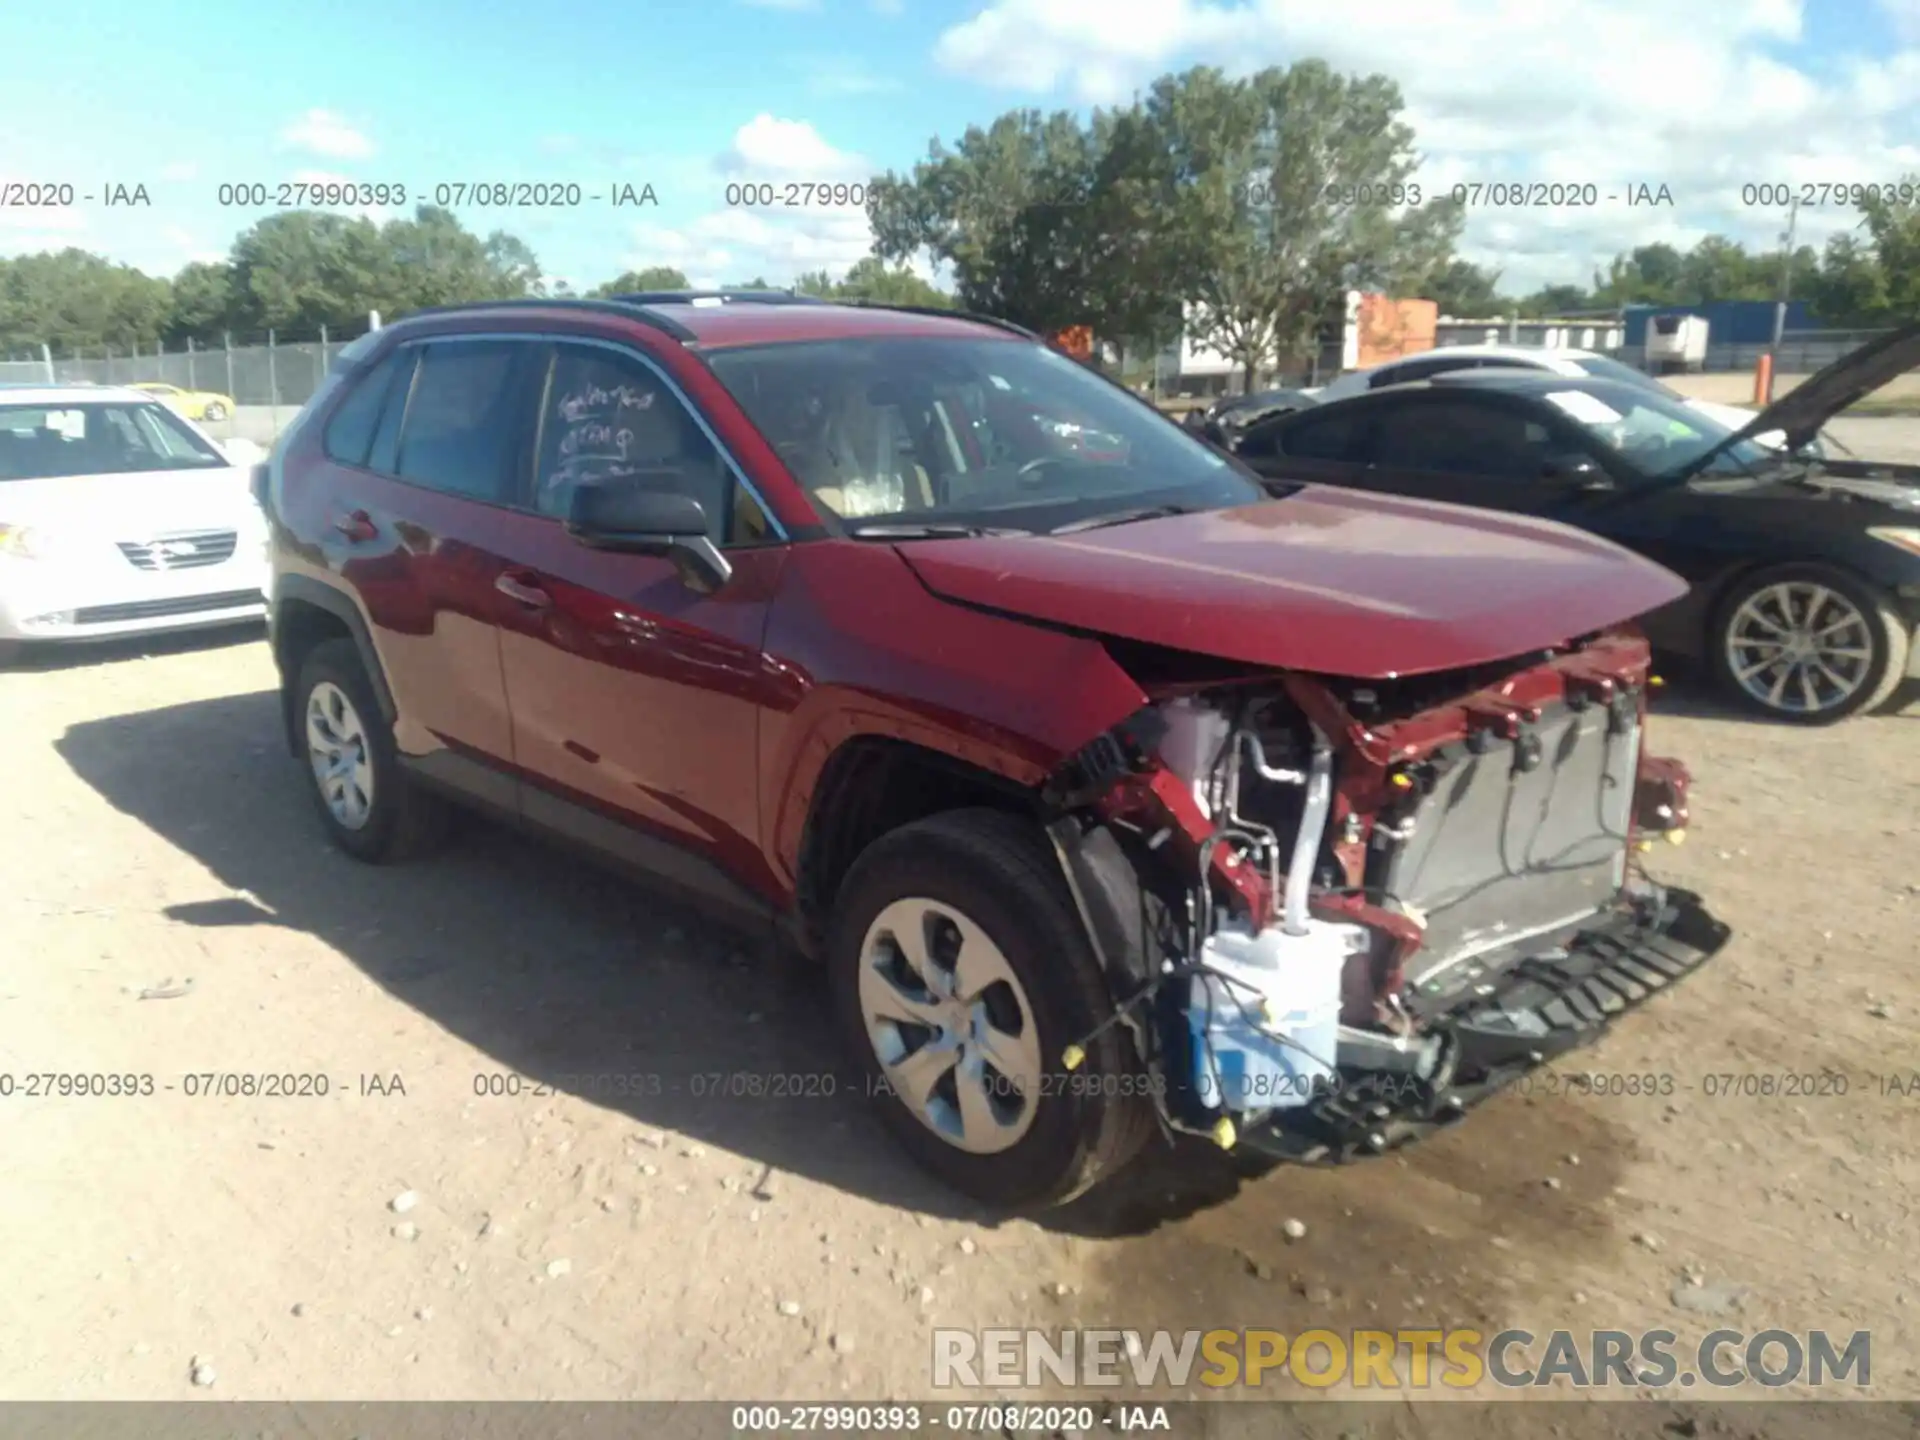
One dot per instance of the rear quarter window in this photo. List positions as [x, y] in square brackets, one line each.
[349, 434]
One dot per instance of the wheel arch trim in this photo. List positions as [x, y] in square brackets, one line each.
[307, 591]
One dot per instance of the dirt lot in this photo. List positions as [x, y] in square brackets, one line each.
[654, 1244]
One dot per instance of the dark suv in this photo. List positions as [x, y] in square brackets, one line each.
[1115, 795]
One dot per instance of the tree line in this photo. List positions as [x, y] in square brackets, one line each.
[1258, 201]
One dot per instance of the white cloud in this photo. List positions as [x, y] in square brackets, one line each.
[323, 132]
[735, 245]
[1904, 16]
[769, 148]
[1703, 100]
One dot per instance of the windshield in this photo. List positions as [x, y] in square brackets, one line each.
[1601, 368]
[1658, 436]
[969, 432]
[40, 442]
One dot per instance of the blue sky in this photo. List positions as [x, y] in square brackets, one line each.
[1701, 96]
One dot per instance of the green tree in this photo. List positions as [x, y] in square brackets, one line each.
[1465, 291]
[654, 277]
[203, 303]
[1288, 198]
[76, 300]
[1551, 301]
[1849, 287]
[872, 279]
[1003, 210]
[1894, 228]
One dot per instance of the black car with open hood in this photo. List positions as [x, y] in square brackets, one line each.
[1805, 568]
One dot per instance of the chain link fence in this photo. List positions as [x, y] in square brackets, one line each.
[262, 386]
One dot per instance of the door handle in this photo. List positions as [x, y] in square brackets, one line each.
[357, 526]
[523, 592]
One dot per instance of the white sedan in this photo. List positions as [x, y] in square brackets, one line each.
[118, 516]
[1451, 358]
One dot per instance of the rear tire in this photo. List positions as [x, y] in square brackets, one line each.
[976, 893]
[1852, 644]
[214, 411]
[370, 807]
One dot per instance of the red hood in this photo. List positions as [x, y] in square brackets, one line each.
[1333, 581]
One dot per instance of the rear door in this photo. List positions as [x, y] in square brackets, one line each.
[428, 452]
[636, 700]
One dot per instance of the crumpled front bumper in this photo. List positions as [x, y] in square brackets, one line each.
[1388, 1092]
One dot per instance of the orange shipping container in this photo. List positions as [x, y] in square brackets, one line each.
[1076, 340]
[1390, 328]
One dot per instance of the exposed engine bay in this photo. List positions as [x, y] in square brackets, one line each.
[1335, 913]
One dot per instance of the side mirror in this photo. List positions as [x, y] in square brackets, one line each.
[1578, 472]
[627, 513]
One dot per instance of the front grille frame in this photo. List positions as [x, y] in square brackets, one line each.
[210, 548]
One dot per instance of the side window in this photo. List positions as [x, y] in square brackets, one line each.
[349, 434]
[384, 457]
[1464, 437]
[606, 414]
[459, 433]
[1333, 435]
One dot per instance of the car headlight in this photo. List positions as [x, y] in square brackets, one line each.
[23, 542]
[1906, 537]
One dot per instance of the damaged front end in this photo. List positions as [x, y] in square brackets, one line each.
[1335, 914]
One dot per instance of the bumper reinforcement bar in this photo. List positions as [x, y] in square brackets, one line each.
[1544, 1006]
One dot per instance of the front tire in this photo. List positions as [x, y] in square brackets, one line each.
[369, 806]
[1810, 644]
[960, 973]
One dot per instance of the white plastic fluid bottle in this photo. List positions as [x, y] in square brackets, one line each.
[1265, 1014]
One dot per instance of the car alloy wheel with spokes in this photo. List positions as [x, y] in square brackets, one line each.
[369, 805]
[1809, 643]
[961, 972]
[950, 1025]
[337, 750]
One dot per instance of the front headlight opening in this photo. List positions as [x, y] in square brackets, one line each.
[22, 542]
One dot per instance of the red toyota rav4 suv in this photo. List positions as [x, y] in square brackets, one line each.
[1114, 795]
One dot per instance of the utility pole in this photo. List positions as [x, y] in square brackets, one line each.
[1786, 294]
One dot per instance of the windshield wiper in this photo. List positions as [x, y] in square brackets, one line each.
[934, 531]
[1120, 517]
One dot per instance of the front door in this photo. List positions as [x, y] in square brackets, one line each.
[636, 699]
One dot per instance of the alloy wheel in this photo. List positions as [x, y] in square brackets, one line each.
[950, 1024]
[337, 749]
[1799, 647]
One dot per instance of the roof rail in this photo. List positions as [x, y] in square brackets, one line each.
[725, 297]
[994, 320]
[612, 305]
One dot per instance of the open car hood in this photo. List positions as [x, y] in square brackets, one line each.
[1814, 401]
[1337, 582]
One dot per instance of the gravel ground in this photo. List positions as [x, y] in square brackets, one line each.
[643, 1239]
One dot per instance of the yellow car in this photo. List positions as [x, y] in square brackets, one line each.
[194, 404]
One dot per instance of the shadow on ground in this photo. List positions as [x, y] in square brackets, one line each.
[553, 969]
[42, 658]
